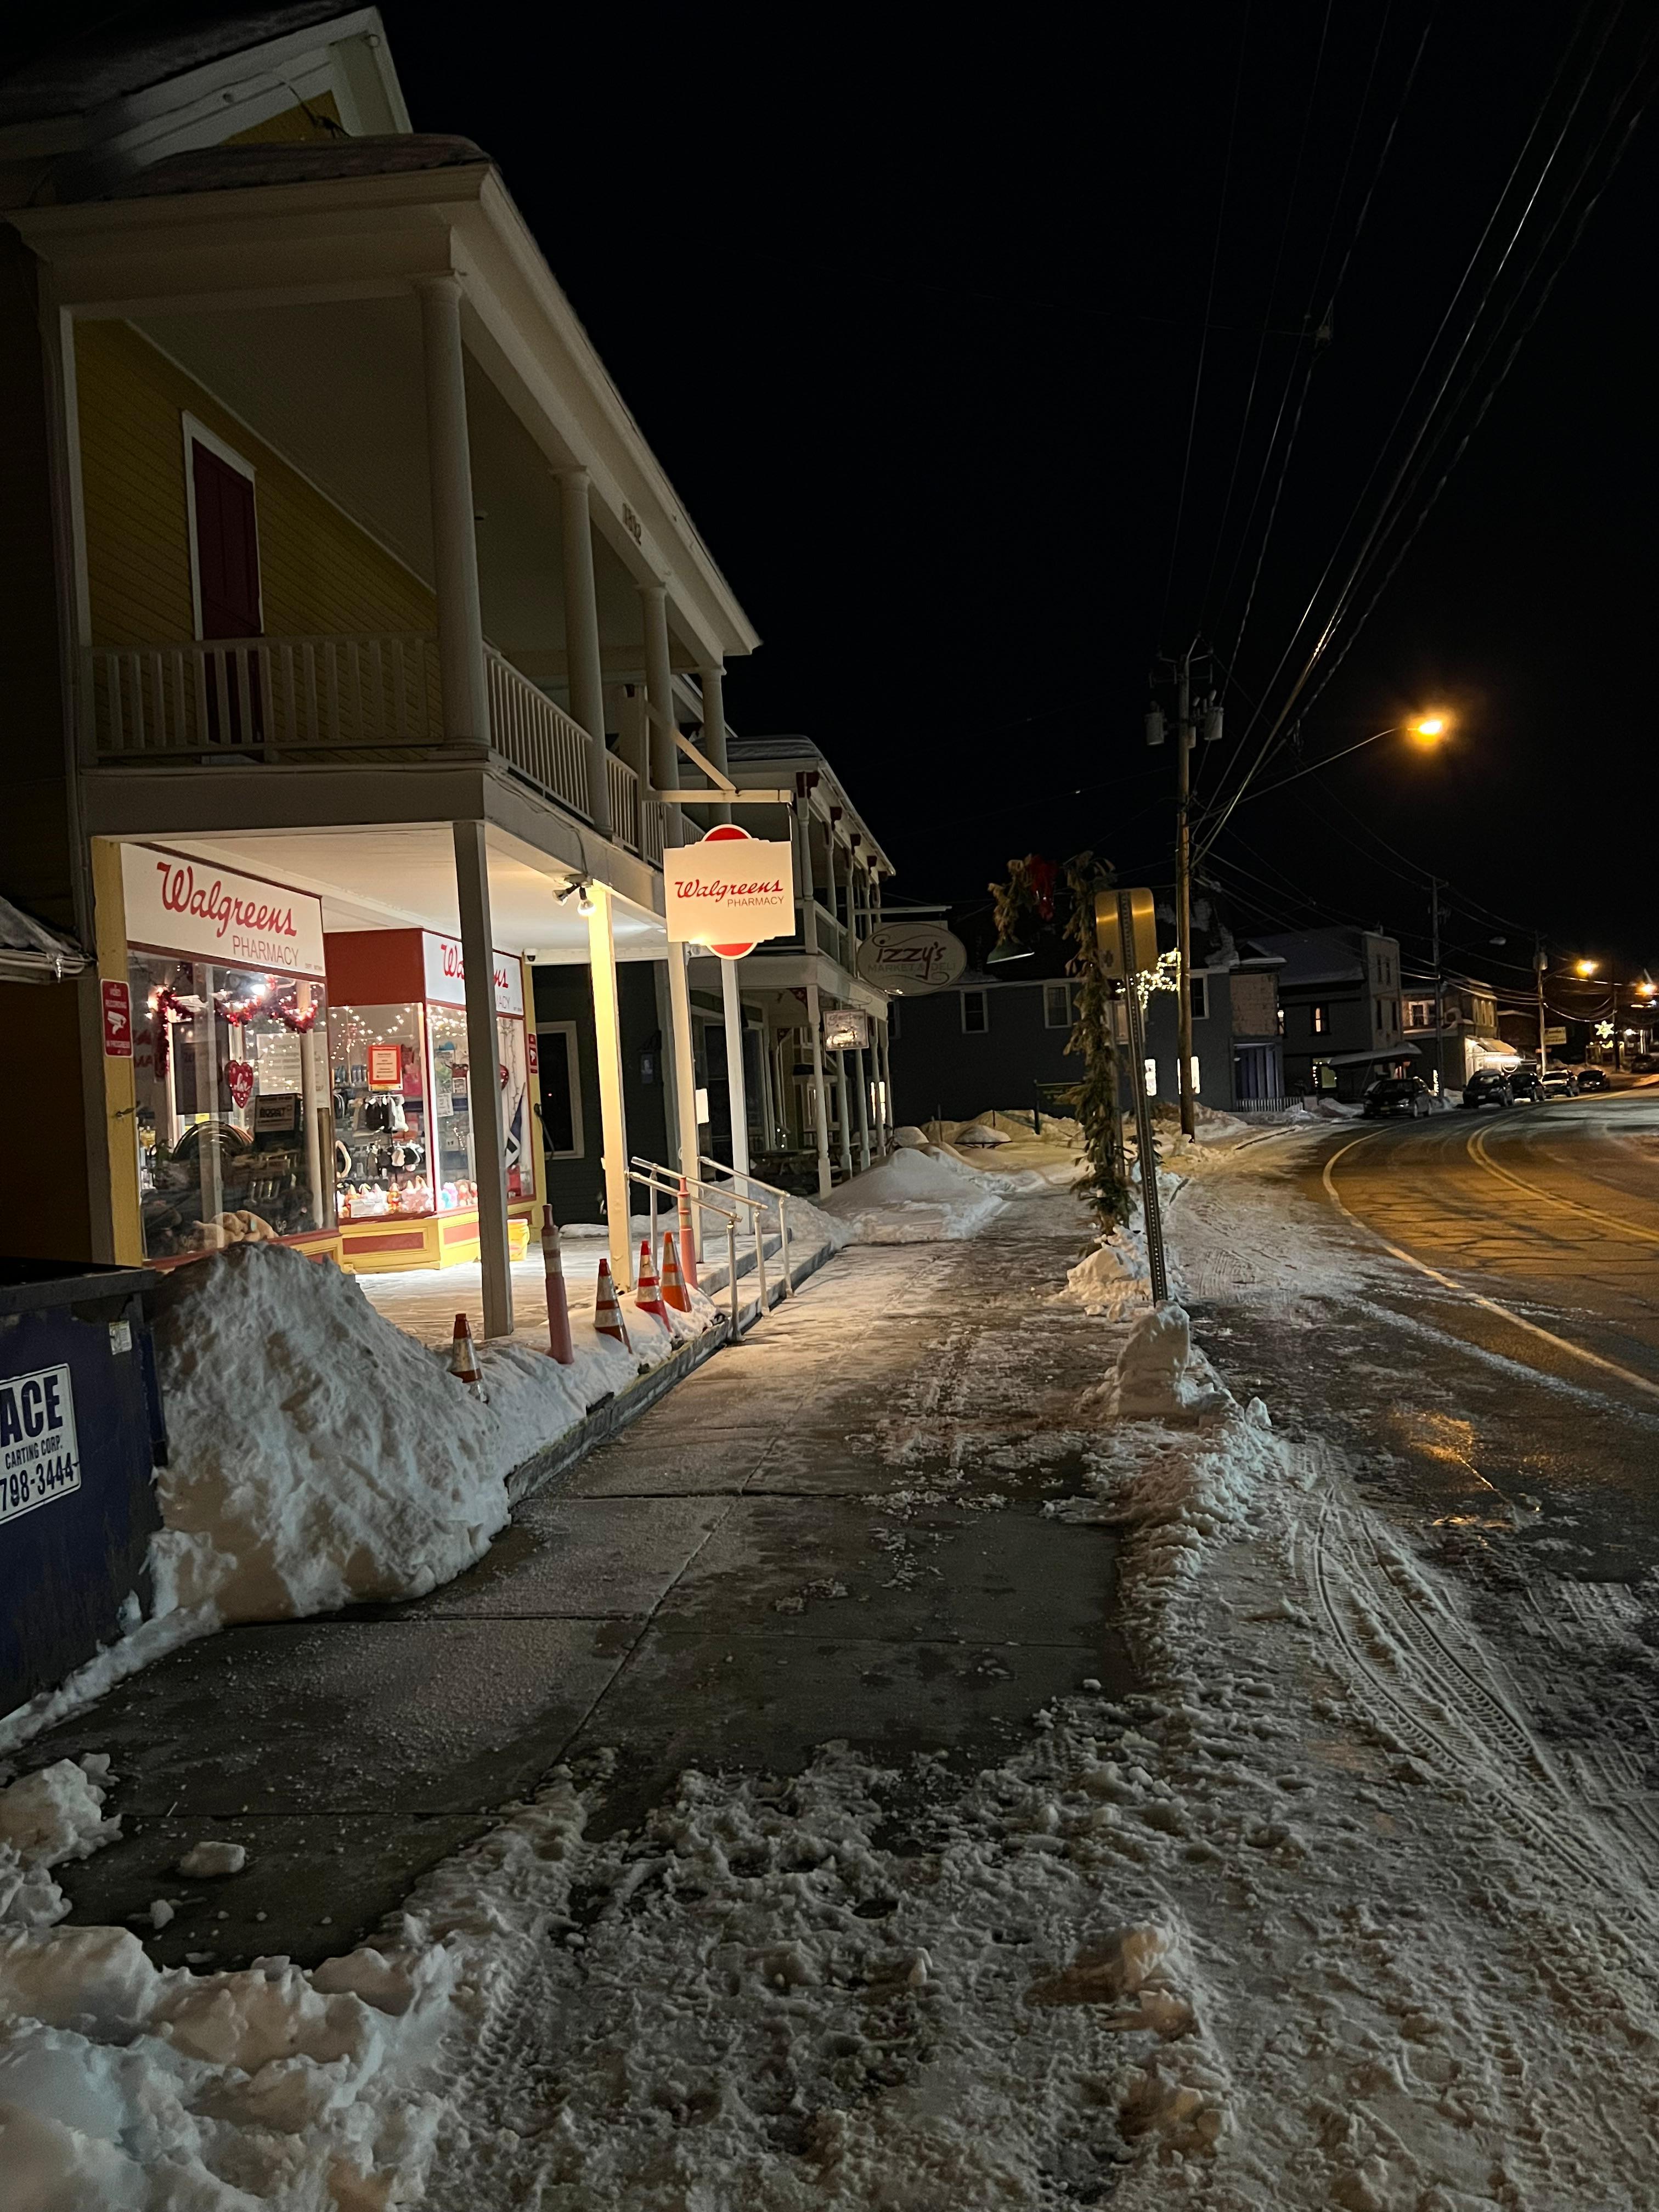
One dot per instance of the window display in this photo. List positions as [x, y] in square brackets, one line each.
[228, 1057]
[382, 1162]
[403, 1159]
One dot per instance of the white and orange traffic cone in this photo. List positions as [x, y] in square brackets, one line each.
[559, 1345]
[648, 1295]
[464, 1358]
[607, 1314]
[688, 1237]
[673, 1283]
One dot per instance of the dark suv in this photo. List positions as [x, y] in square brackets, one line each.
[1397, 1094]
[1488, 1086]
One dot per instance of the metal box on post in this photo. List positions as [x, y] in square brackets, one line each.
[81, 1435]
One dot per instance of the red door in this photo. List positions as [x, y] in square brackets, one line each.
[227, 583]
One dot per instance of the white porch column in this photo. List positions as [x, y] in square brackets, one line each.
[884, 1076]
[861, 1072]
[803, 822]
[685, 1075]
[613, 1119]
[454, 546]
[581, 639]
[737, 1089]
[483, 1052]
[712, 678]
[663, 752]
[842, 1102]
[769, 1088]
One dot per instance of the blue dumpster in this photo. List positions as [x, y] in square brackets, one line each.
[81, 1435]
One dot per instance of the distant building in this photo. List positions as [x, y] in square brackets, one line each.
[1340, 992]
[1458, 1037]
[999, 1038]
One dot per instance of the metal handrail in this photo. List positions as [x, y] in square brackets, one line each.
[656, 1178]
[782, 1198]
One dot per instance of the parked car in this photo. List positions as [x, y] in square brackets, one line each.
[1398, 1094]
[1488, 1086]
[1642, 1063]
[1524, 1086]
[1593, 1079]
[1558, 1083]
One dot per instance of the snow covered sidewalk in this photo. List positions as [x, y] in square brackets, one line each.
[993, 1765]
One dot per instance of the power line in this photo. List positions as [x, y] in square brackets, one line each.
[1313, 358]
[1209, 306]
[1273, 295]
[1384, 514]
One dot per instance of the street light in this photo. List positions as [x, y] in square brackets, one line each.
[1425, 731]
[1586, 967]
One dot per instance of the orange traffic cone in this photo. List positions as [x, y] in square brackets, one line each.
[607, 1314]
[673, 1283]
[647, 1296]
[688, 1236]
[464, 1359]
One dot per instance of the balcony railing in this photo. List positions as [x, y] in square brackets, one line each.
[624, 788]
[540, 739]
[266, 698]
[255, 696]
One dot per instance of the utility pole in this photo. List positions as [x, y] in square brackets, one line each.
[1184, 891]
[1186, 734]
[1439, 989]
[1538, 963]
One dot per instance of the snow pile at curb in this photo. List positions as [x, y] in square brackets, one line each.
[1158, 1375]
[929, 1197]
[321, 1457]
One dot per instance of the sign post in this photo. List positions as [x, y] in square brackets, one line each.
[1129, 943]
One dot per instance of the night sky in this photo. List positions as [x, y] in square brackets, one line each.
[913, 322]
[911, 305]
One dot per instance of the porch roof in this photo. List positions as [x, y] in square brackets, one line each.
[348, 222]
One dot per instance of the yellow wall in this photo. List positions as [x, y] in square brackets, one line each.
[292, 126]
[320, 572]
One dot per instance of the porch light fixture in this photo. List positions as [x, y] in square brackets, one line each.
[584, 900]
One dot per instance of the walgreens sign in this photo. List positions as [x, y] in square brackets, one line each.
[200, 912]
[730, 892]
[446, 975]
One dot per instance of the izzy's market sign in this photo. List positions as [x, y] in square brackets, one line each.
[907, 956]
[176, 904]
[730, 892]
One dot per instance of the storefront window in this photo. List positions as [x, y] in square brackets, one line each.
[452, 1107]
[231, 1094]
[382, 1161]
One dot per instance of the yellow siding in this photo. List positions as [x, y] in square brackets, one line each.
[320, 573]
[291, 127]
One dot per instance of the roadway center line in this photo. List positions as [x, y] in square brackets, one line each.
[1561, 1343]
[1478, 1152]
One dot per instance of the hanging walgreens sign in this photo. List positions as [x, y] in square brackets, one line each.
[200, 912]
[729, 891]
[906, 957]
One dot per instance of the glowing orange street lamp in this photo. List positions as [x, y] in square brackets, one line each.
[1429, 729]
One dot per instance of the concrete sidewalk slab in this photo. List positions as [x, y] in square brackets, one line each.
[635, 1604]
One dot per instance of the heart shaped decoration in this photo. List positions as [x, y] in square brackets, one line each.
[238, 1081]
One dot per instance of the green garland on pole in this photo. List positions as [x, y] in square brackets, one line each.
[1104, 1181]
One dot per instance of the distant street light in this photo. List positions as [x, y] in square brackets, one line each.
[1429, 729]
[1586, 967]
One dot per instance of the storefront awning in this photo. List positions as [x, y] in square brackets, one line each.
[1363, 1059]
